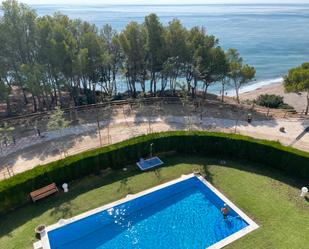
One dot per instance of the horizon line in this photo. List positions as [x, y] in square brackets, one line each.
[159, 4]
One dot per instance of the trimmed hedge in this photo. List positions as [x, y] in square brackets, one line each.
[15, 190]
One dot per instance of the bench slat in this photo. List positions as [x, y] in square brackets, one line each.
[44, 189]
[43, 192]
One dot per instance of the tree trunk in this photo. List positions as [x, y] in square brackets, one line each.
[155, 86]
[163, 84]
[222, 94]
[25, 96]
[59, 93]
[44, 100]
[20, 84]
[307, 108]
[188, 87]
[76, 93]
[52, 101]
[115, 86]
[151, 84]
[237, 91]
[40, 105]
[134, 89]
[55, 99]
[194, 88]
[94, 94]
[35, 108]
[189, 79]
[237, 95]
[8, 107]
[143, 87]
[205, 91]
[102, 94]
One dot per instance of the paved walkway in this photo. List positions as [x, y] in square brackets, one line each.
[31, 151]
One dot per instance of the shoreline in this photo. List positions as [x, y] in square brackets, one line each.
[264, 87]
[298, 101]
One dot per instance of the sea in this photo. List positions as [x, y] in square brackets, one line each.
[271, 37]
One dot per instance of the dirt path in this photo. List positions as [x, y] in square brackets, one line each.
[37, 151]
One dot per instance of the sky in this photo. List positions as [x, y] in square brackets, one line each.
[157, 1]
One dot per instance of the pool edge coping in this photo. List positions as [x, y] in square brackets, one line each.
[220, 244]
[252, 225]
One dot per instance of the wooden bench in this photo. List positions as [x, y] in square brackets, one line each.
[43, 192]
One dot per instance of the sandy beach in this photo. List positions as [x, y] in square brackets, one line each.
[298, 101]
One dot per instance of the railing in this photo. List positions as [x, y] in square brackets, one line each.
[6, 172]
[94, 106]
[151, 100]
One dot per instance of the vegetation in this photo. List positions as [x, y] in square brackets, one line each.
[55, 60]
[272, 101]
[15, 190]
[239, 73]
[297, 81]
[6, 133]
[57, 121]
[256, 190]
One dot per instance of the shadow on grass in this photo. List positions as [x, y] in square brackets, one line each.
[64, 210]
[267, 171]
[60, 206]
[124, 188]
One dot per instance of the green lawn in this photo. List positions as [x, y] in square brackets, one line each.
[271, 199]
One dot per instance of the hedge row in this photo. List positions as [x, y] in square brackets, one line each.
[15, 191]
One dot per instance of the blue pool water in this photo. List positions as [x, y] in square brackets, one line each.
[185, 215]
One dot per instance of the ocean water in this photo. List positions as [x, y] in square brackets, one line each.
[272, 38]
[185, 215]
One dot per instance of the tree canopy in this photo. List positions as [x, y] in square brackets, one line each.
[58, 61]
[297, 80]
[57, 120]
[238, 72]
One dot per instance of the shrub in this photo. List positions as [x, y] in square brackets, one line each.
[272, 101]
[15, 190]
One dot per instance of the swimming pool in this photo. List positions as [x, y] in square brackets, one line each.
[184, 213]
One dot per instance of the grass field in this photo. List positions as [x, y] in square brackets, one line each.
[270, 199]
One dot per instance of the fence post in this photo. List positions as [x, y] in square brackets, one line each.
[108, 135]
[98, 122]
[236, 126]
